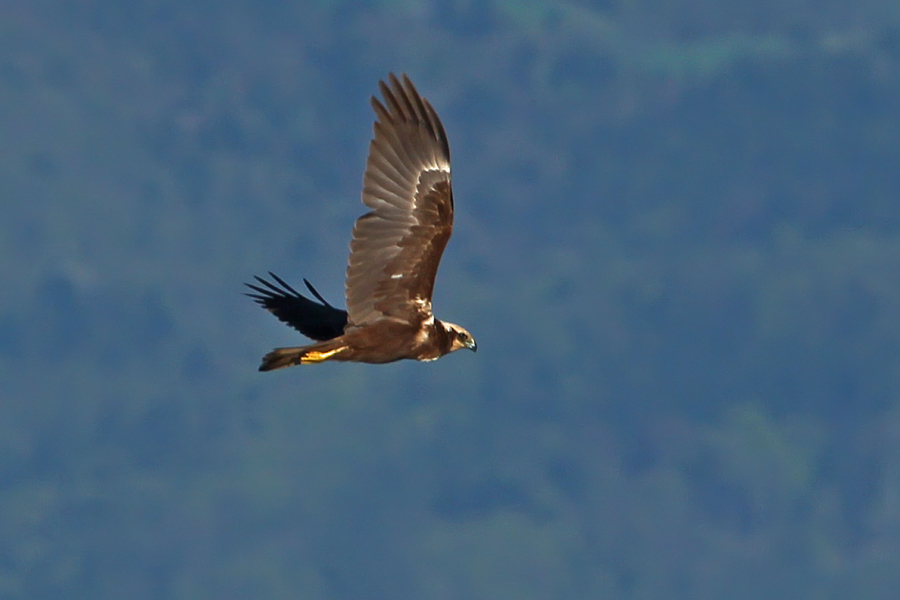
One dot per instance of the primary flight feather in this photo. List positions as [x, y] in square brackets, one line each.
[394, 253]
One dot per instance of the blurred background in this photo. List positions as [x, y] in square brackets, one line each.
[677, 243]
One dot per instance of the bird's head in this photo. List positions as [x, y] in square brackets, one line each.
[460, 338]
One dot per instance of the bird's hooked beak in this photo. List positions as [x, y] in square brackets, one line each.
[471, 345]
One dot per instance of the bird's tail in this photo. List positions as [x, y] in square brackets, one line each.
[280, 358]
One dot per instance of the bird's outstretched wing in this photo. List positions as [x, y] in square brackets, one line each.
[397, 246]
[316, 321]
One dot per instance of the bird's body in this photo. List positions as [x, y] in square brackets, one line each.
[394, 254]
[384, 341]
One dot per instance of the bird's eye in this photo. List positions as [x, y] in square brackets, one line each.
[462, 336]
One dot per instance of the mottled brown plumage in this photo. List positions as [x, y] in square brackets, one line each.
[394, 254]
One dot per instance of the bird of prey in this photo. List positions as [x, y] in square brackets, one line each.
[394, 253]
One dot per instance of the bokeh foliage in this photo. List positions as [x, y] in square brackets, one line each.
[677, 244]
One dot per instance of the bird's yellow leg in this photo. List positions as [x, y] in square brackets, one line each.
[314, 356]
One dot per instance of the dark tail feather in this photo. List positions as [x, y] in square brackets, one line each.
[280, 358]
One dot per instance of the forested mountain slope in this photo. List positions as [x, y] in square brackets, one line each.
[677, 243]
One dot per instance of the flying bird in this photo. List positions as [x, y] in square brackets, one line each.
[394, 253]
